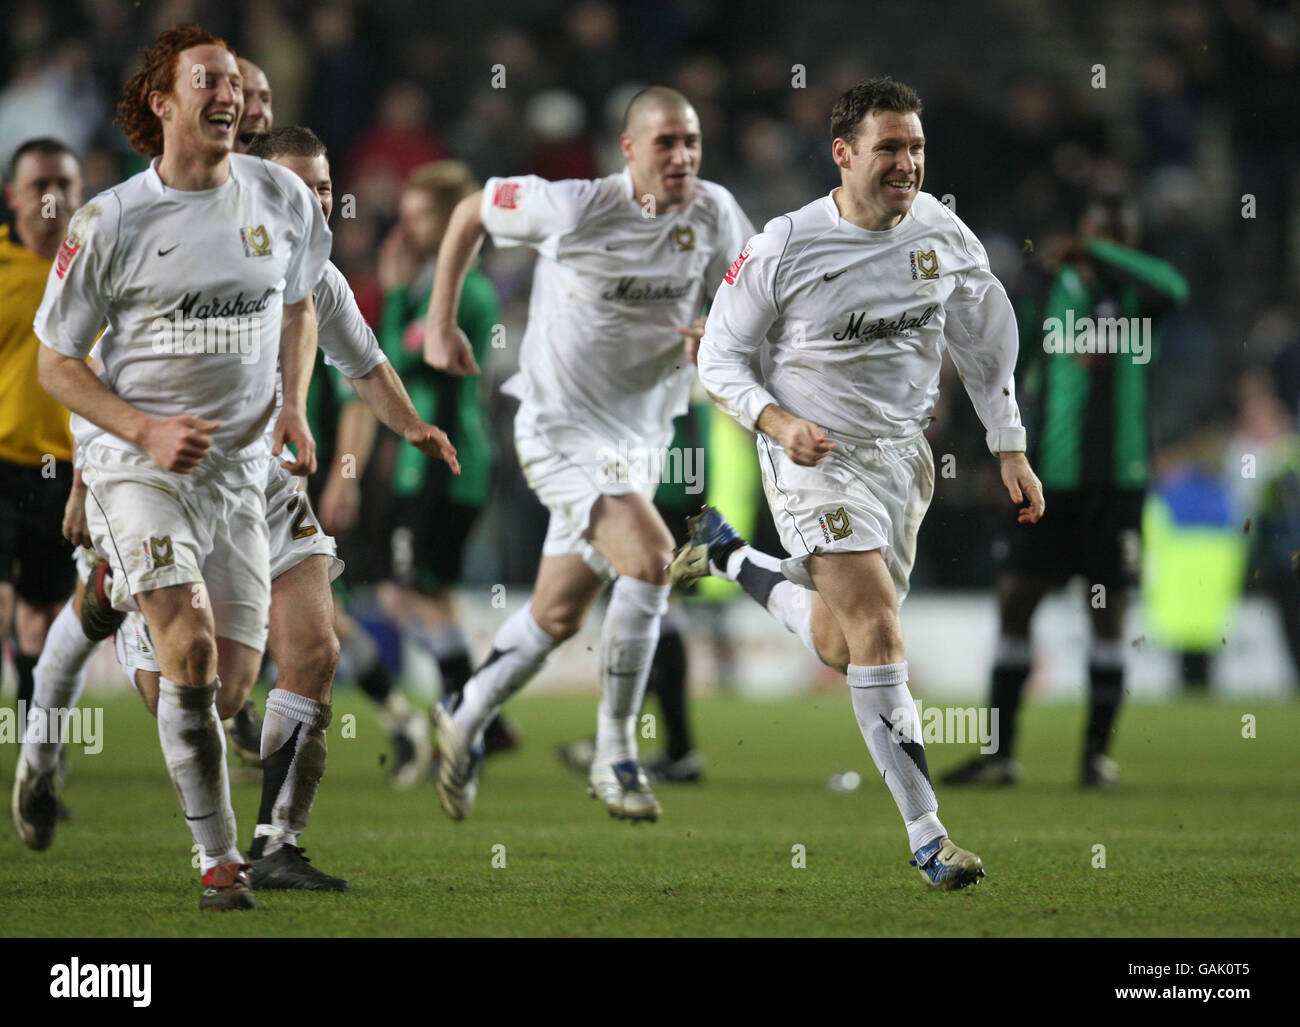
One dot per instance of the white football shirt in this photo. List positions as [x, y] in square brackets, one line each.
[611, 287]
[341, 333]
[856, 323]
[192, 285]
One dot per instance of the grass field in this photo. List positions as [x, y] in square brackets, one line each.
[1199, 841]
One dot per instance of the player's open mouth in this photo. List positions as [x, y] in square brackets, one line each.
[223, 121]
[900, 187]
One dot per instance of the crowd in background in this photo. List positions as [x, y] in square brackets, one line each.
[1184, 110]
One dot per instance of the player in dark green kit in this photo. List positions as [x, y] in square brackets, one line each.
[434, 512]
[1085, 352]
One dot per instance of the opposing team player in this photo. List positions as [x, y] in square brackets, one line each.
[622, 270]
[855, 296]
[203, 267]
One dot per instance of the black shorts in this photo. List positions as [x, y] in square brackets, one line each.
[428, 541]
[34, 555]
[1097, 534]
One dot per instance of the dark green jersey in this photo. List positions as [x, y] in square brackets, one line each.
[455, 404]
[1086, 341]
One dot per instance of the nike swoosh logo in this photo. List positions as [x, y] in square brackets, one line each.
[831, 278]
[163, 253]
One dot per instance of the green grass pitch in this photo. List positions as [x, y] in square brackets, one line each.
[1199, 840]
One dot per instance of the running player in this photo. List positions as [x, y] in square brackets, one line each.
[303, 561]
[855, 296]
[621, 272]
[176, 467]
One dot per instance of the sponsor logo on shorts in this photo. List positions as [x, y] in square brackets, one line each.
[835, 525]
[256, 240]
[684, 237]
[736, 265]
[159, 551]
[925, 264]
[506, 196]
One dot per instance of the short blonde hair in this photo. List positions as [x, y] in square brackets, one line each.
[446, 181]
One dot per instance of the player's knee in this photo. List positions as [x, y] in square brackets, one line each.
[560, 620]
[649, 564]
[834, 652]
[882, 631]
[315, 659]
[198, 657]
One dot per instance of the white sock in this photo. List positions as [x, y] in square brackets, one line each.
[293, 762]
[194, 747]
[60, 678]
[759, 574]
[518, 652]
[628, 639]
[891, 727]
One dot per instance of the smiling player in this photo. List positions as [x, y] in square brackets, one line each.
[624, 266]
[196, 263]
[856, 295]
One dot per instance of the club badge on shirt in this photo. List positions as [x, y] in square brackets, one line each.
[256, 240]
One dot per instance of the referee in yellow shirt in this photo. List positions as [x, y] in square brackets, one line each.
[43, 189]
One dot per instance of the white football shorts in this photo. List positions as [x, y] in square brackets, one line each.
[159, 529]
[569, 468]
[862, 496]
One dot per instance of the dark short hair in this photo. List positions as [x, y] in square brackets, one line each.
[290, 141]
[873, 94]
[45, 146]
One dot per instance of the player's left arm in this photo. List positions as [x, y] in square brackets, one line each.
[308, 259]
[297, 358]
[981, 335]
[383, 392]
[734, 230]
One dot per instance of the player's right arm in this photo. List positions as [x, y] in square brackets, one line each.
[744, 309]
[174, 443]
[77, 297]
[522, 211]
[446, 347]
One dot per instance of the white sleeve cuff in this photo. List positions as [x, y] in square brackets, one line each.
[755, 402]
[1006, 440]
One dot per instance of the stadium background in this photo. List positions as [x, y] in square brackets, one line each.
[1198, 110]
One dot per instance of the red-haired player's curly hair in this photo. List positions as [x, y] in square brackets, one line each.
[158, 71]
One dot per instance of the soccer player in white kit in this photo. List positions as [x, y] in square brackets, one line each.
[855, 296]
[303, 560]
[196, 263]
[624, 267]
